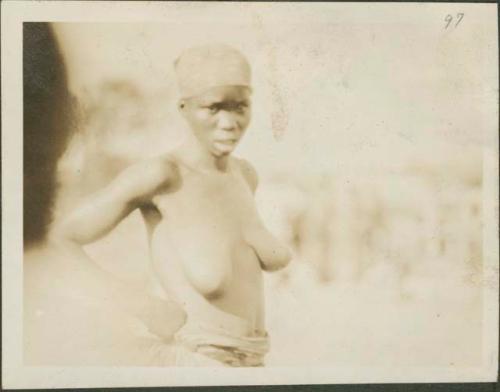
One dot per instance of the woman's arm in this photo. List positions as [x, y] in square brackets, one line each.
[161, 317]
[249, 174]
[104, 210]
[99, 215]
[272, 254]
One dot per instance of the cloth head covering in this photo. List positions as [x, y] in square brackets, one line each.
[203, 67]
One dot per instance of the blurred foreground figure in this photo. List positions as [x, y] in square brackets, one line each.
[74, 314]
[207, 243]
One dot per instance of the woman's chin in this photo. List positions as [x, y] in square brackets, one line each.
[221, 150]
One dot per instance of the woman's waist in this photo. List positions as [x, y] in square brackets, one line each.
[222, 331]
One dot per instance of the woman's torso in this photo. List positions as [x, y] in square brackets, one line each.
[208, 217]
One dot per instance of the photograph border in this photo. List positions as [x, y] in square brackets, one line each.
[16, 376]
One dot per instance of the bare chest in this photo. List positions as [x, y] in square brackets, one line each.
[211, 204]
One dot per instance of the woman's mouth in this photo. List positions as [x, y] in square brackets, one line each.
[225, 146]
[228, 142]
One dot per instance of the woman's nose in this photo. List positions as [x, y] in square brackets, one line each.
[227, 121]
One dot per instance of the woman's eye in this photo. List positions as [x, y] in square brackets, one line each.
[213, 109]
[241, 107]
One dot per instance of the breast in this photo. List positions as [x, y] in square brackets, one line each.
[206, 220]
[194, 256]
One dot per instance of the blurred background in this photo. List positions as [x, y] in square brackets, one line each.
[367, 133]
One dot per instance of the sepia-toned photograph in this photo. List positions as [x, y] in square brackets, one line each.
[249, 193]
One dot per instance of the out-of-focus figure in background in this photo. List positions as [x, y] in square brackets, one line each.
[74, 313]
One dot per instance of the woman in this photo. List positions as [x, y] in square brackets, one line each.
[207, 243]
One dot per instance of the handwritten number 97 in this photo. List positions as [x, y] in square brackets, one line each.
[449, 19]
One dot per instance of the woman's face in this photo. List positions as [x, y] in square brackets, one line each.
[219, 117]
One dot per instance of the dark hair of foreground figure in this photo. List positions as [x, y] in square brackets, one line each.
[47, 118]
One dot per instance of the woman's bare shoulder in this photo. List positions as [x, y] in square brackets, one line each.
[248, 172]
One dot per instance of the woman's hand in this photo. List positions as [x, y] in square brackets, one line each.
[162, 318]
[89, 281]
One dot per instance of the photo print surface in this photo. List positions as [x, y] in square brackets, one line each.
[261, 198]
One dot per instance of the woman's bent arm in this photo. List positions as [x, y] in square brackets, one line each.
[104, 210]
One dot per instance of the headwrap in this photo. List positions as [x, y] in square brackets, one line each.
[203, 67]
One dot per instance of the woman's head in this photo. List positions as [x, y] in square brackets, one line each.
[215, 87]
[202, 67]
[219, 117]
